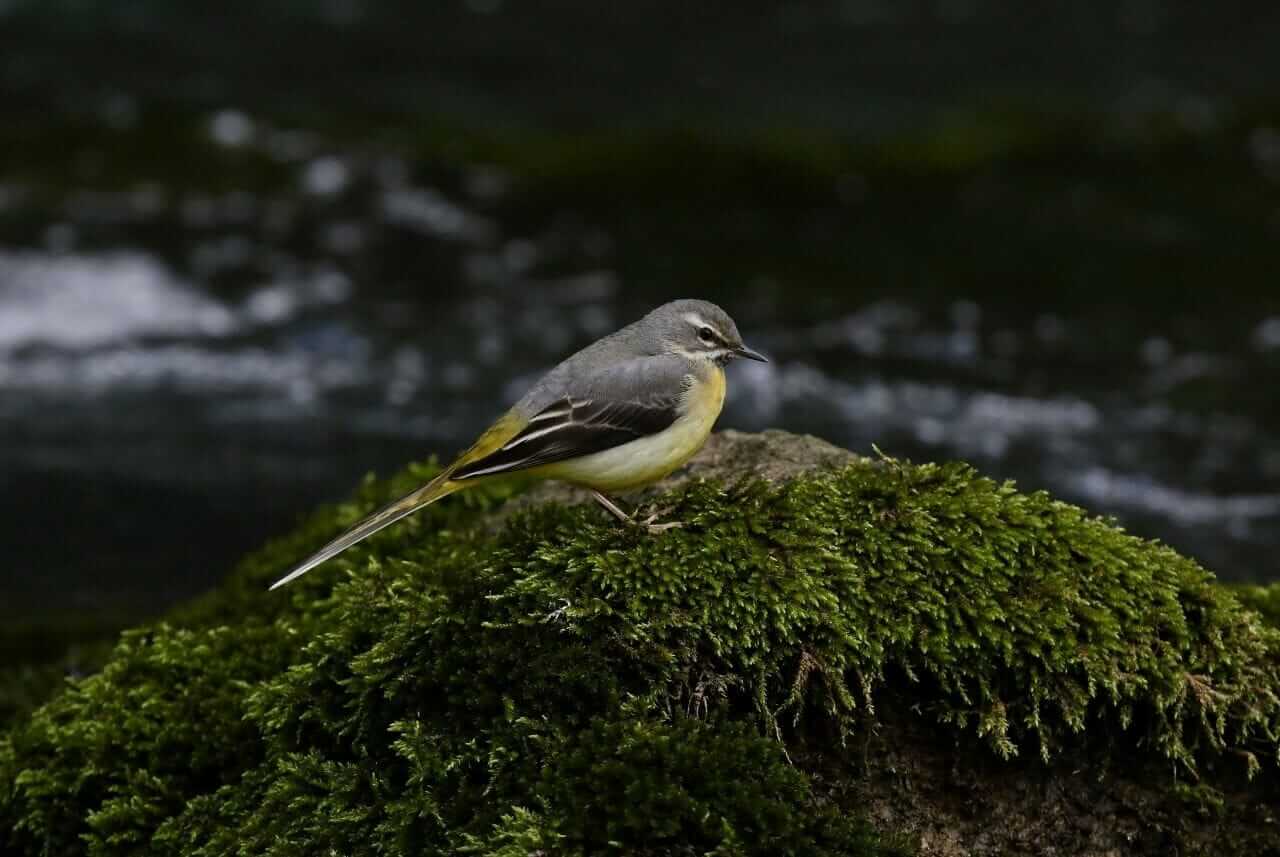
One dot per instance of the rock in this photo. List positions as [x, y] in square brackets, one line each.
[835, 656]
[727, 456]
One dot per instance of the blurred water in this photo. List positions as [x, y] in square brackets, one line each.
[250, 257]
[185, 370]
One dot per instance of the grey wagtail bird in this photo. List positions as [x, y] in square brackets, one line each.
[623, 412]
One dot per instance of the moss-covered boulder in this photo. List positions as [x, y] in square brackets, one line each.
[836, 655]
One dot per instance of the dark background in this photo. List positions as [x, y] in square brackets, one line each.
[250, 252]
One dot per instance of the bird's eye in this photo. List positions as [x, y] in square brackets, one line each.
[706, 334]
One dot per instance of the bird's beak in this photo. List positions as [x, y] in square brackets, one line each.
[744, 351]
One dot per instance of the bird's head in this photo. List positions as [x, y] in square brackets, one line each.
[699, 330]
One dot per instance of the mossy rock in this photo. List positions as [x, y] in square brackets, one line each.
[836, 655]
[1264, 599]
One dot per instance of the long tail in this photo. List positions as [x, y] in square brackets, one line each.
[379, 520]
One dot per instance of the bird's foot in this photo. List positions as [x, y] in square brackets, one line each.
[649, 523]
[654, 529]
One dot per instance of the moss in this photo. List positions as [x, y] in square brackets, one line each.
[1264, 599]
[37, 656]
[568, 685]
[126, 748]
[25, 685]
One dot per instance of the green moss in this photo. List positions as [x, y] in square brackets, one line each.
[1264, 599]
[125, 749]
[25, 685]
[569, 685]
[37, 656]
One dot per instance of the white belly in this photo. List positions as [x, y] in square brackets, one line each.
[649, 459]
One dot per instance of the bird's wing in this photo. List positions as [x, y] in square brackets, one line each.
[606, 409]
[587, 413]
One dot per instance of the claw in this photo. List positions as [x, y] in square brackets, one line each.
[654, 515]
[654, 529]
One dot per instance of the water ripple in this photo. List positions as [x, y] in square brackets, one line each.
[82, 301]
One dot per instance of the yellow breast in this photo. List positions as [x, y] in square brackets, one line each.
[649, 459]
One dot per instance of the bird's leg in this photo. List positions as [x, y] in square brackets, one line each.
[613, 508]
[654, 514]
[622, 516]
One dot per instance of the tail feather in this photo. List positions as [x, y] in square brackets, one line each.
[380, 520]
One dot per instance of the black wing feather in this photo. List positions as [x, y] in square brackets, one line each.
[568, 429]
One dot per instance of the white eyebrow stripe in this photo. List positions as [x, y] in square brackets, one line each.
[698, 321]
